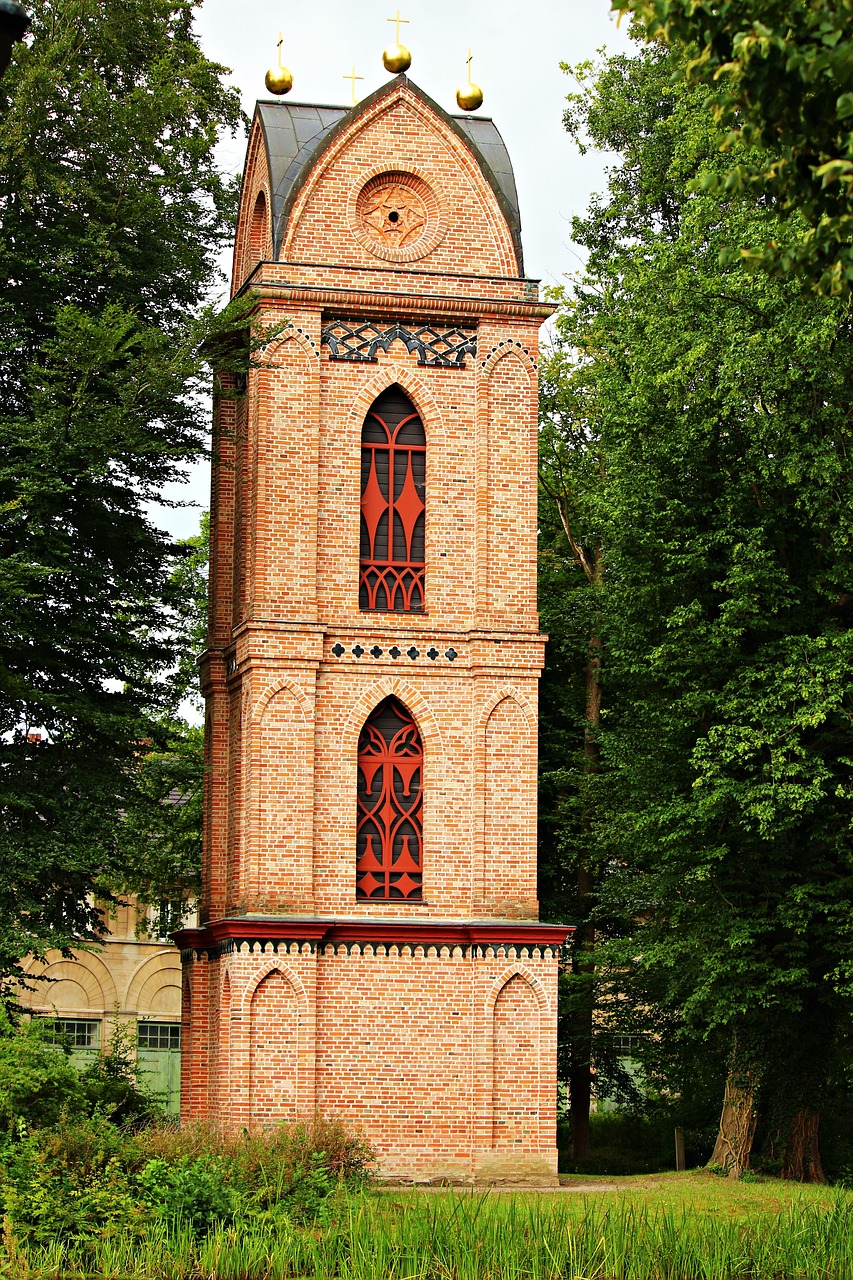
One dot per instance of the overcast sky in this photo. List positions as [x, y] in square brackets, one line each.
[517, 47]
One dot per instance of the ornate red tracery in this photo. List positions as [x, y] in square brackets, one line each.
[389, 844]
[393, 461]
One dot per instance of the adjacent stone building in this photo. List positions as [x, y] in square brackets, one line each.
[369, 944]
[133, 980]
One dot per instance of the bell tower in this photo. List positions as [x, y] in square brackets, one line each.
[370, 945]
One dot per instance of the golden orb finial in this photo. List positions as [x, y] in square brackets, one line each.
[469, 96]
[396, 58]
[278, 79]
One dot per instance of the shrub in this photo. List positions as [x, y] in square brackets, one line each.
[112, 1084]
[193, 1193]
[623, 1142]
[38, 1084]
[68, 1184]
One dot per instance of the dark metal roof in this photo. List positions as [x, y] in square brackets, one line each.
[296, 135]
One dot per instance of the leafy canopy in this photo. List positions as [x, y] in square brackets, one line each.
[112, 212]
[710, 405]
[780, 75]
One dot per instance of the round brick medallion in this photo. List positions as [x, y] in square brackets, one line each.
[393, 214]
[397, 217]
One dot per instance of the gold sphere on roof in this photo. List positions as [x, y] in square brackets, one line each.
[279, 80]
[469, 97]
[396, 59]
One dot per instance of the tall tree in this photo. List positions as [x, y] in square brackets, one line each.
[112, 211]
[570, 581]
[723, 807]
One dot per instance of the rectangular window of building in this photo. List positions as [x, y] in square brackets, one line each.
[79, 1033]
[159, 1035]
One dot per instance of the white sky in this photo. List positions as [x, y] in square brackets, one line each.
[517, 47]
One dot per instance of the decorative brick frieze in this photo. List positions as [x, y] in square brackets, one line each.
[435, 345]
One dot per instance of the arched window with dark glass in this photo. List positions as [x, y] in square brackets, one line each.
[393, 468]
[389, 847]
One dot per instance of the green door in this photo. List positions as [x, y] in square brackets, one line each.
[158, 1057]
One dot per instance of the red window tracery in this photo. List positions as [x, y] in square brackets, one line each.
[393, 465]
[389, 848]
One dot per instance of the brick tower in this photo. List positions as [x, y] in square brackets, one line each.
[370, 945]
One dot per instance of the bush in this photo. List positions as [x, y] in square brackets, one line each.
[193, 1193]
[68, 1184]
[293, 1169]
[112, 1084]
[38, 1084]
[87, 1178]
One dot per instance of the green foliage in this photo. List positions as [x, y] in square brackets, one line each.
[780, 76]
[293, 1169]
[38, 1084]
[113, 1087]
[112, 212]
[68, 1184]
[625, 1142]
[189, 1192]
[87, 1179]
[692, 1228]
[713, 404]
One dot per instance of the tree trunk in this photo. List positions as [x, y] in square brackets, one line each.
[583, 961]
[801, 1157]
[737, 1124]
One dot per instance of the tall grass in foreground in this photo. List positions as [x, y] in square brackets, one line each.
[482, 1237]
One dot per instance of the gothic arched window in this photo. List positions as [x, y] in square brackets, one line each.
[389, 845]
[393, 464]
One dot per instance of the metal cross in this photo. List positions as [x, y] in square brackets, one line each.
[353, 77]
[397, 20]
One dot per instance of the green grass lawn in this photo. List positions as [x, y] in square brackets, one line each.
[660, 1227]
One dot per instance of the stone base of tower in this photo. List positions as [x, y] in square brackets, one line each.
[436, 1042]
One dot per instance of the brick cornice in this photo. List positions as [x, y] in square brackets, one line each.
[214, 937]
[382, 302]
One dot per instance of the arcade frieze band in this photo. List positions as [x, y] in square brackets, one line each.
[474, 937]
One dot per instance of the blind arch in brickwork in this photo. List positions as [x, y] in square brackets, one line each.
[270, 967]
[516, 971]
[412, 698]
[499, 695]
[293, 333]
[500, 351]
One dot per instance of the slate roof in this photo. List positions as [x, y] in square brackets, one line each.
[296, 134]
